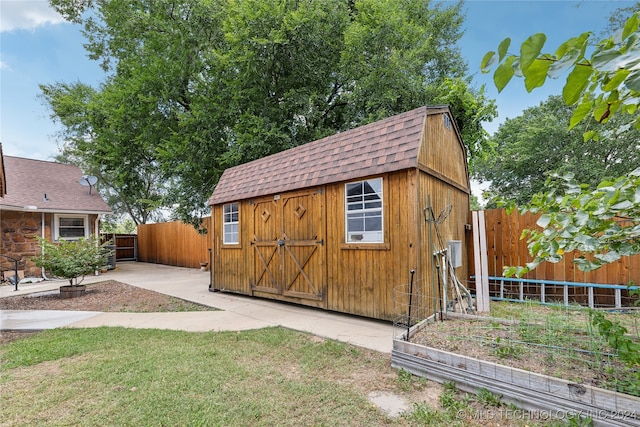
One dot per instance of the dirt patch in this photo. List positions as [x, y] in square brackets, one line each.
[107, 296]
[560, 344]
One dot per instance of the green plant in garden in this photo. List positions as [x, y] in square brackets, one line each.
[627, 348]
[72, 259]
[507, 350]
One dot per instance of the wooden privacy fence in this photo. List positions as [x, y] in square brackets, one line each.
[505, 248]
[174, 243]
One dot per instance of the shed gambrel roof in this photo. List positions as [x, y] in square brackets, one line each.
[29, 180]
[388, 145]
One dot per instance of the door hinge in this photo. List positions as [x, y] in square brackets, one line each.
[320, 242]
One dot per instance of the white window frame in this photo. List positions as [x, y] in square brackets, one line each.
[358, 207]
[86, 228]
[228, 222]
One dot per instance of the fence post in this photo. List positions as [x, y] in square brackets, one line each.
[482, 268]
[521, 286]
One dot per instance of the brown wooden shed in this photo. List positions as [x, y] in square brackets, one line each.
[339, 222]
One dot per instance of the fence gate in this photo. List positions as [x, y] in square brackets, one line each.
[126, 246]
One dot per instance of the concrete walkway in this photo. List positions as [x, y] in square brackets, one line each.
[236, 312]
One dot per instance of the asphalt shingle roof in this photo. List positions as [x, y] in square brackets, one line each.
[3, 181]
[385, 146]
[29, 180]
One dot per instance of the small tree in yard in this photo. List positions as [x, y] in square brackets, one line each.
[71, 259]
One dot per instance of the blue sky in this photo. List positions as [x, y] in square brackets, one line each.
[38, 47]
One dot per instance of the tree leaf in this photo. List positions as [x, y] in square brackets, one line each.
[633, 81]
[606, 60]
[503, 48]
[575, 43]
[586, 137]
[625, 204]
[630, 26]
[564, 63]
[488, 61]
[536, 74]
[509, 271]
[616, 80]
[576, 83]
[530, 50]
[608, 257]
[504, 73]
[580, 113]
[543, 221]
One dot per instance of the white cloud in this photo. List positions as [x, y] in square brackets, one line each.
[26, 15]
[4, 66]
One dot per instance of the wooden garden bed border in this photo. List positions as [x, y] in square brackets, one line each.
[554, 397]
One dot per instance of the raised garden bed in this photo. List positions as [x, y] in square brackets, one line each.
[542, 394]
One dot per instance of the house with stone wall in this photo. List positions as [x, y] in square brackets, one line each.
[44, 199]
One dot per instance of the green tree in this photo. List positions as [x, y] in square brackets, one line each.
[604, 222]
[517, 169]
[195, 86]
[108, 146]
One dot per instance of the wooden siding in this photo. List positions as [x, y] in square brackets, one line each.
[440, 195]
[361, 277]
[442, 154]
[230, 262]
[173, 243]
[504, 248]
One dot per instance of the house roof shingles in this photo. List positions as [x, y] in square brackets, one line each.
[3, 179]
[29, 180]
[385, 146]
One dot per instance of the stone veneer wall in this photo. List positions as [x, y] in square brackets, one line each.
[19, 232]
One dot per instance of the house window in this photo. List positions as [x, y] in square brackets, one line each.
[71, 227]
[364, 211]
[230, 224]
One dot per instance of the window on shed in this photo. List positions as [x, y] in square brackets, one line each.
[364, 211]
[71, 227]
[447, 121]
[230, 223]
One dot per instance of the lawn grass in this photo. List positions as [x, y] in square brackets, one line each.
[267, 377]
[126, 377]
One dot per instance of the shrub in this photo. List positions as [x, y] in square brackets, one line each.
[71, 259]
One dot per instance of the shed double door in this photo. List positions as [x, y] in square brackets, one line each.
[289, 245]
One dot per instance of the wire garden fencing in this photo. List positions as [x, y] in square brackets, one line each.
[595, 347]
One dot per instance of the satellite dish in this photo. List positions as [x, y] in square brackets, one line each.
[88, 181]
